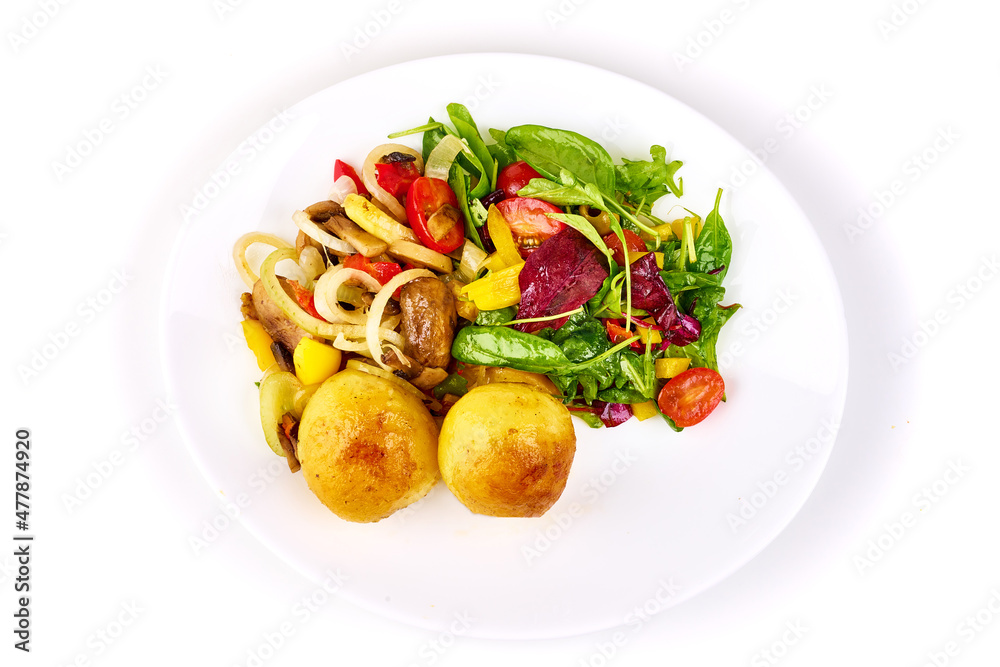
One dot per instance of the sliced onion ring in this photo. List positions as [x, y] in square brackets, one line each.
[326, 294]
[315, 326]
[439, 160]
[342, 187]
[240, 253]
[378, 306]
[313, 231]
[388, 202]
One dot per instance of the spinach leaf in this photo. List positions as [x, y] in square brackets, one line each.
[588, 360]
[671, 424]
[582, 338]
[432, 137]
[550, 151]
[467, 130]
[501, 152]
[496, 317]
[713, 247]
[502, 346]
[477, 173]
[458, 179]
[703, 350]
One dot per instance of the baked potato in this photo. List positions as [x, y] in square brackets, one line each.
[506, 450]
[367, 447]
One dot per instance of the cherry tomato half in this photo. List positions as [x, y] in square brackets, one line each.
[691, 396]
[432, 211]
[396, 177]
[528, 221]
[343, 169]
[618, 334]
[515, 176]
[632, 240]
[383, 272]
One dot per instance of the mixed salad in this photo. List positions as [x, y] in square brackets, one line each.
[540, 259]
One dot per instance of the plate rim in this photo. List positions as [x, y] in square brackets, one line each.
[211, 476]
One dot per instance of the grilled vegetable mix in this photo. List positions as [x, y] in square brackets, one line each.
[546, 265]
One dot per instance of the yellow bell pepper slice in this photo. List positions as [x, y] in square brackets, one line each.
[493, 263]
[502, 237]
[259, 343]
[315, 361]
[634, 257]
[669, 367]
[665, 231]
[646, 333]
[677, 226]
[498, 289]
[644, 411]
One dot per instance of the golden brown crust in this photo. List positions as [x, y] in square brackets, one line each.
[507, 449]
[367, 448]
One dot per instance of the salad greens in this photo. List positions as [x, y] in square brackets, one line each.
[594, 328]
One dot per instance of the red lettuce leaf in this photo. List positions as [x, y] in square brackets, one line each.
[650, 293]
[612, 414]
[561, 275]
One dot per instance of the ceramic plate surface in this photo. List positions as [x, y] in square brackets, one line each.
[649, 517]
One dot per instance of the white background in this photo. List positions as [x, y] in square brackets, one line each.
[885, 80]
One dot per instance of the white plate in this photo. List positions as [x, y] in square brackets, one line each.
[649, 517]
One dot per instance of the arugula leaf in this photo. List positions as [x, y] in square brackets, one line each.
[648, 180]
[610, 296]
[626, 395]
[638, 373]
[583, 338]
[594, 303]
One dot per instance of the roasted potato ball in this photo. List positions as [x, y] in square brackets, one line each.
[367, 446]
[506, 450]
